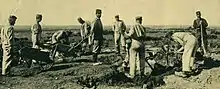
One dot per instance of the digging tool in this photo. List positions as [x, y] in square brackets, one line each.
[202, 39]
[146, 59]
[78, 43]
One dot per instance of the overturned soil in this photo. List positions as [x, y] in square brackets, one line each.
[80, 72]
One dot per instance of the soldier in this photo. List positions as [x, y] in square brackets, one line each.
[85, 33]
[189, 45]
[36, 32]
[97, 34]
[7, 40]
[61, 36]
[119, 30]
[200, 25]
[137, 34]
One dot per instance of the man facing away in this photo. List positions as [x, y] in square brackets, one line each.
[97, 34]
[119, 29]
[85, 33]
[137, 33]
[200, 26]
[36, 32]
[7, 39]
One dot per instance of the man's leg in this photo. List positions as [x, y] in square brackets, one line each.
[89, 44]
[206, 43]
[34, 41]
[193, 55]
[7, 59]
[141, 60]
[132, 62]
[117, 40]
[84, 46]
[186, 58]
[123, 42]
[96, 49]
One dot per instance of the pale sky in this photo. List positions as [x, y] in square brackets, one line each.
[154, 12]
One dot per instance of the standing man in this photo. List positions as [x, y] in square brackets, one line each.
[85, 33]
[36, 32]
[200, 25]
[97, 34]
[189, 45]
[119, 30]
[137, 33]
[7, 40]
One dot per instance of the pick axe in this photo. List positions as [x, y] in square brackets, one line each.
[78, 43]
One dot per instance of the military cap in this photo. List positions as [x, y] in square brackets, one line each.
[98, 11]
[12, 17]
[138, 18]
[79, 19]
[117, 16]
[38, 16]
[198, 12]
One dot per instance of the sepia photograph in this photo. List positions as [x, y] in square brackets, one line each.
[109, 44]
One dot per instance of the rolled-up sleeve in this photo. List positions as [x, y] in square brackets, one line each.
[177, 39]
[131, 32]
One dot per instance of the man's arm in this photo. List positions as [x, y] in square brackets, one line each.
[194, 24]
[10, 36]
[34, 29]
[92, 31]
[204, 23]
[81, 31]
[123, 26]
[177, 39]
[57, 35]
[131, 32]
[181, 49]
[2, 31]
[113, 27]
[86, 29]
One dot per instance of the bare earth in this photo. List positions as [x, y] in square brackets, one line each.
[65, 76]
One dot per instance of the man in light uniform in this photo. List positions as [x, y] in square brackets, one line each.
[36, 32]
[201, 24]
[61, 36]
[97, 34]
[119, 30]
[137, 33]
[7, 39]
[189, 45]
[85, 33]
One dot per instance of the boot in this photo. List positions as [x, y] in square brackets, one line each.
[124, 49]
[94, 57]
[117, 50]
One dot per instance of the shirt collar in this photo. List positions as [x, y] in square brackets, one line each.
[97, 18]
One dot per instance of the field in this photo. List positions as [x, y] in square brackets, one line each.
[68, 74]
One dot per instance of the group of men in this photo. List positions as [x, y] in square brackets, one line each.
[130, 41]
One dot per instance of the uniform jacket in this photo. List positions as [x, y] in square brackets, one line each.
[97, 30]
[197, 26]
[137, 32]
[7, 36]
[119, 26]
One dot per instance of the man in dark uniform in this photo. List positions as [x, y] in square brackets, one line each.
[200, 25]
[97, 34]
